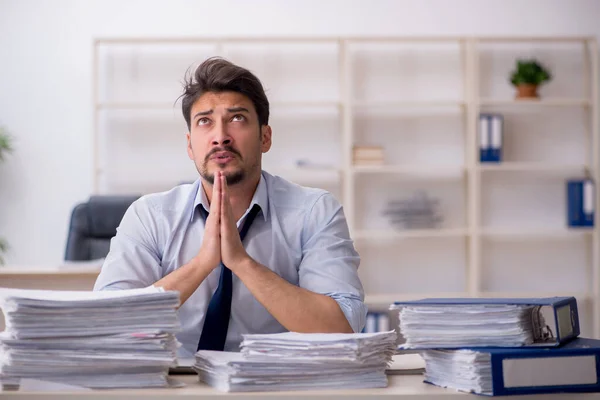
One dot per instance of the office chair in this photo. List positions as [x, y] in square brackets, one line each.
[93, 224]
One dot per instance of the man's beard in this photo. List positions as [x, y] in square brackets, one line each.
[232, 178]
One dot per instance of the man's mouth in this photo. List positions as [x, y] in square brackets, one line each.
[222, 156]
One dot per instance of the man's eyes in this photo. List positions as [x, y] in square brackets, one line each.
[235, 118]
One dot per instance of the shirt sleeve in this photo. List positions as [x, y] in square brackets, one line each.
[330, 263]
[133, 260]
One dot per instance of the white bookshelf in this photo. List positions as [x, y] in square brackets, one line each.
[504, 228]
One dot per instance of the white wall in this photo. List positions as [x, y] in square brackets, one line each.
[46, 67]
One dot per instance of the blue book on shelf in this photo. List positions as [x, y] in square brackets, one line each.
[580, 203]
[573, 367]
[491, 134]
[496, 122]
[560, 315]
[484, 138]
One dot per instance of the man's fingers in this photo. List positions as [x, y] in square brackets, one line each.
[216, 199]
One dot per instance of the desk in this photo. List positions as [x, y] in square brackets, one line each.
[55, 278]
[404, 387]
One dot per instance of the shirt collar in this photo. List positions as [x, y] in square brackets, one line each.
[260, 197]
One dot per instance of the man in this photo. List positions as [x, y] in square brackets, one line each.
[249, 252]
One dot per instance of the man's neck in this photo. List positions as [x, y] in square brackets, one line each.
[240, 194]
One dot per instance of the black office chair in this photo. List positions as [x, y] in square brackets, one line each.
[93, 224]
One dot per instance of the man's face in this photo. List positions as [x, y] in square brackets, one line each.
[225, 136]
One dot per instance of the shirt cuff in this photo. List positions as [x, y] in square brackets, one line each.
[353, 308]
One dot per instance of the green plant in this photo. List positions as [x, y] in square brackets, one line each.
[5, 144]
[5, 148]
[3, 249]
[529, 72]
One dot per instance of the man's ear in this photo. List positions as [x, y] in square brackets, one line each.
[189, 146]
[266, 133]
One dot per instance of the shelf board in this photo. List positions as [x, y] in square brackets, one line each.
[307, 174]
[533, 293]
[428, 171]
[553, 102]
[408, 104]
[387, 299]
[177, 106]
[408, 234]
[536, 234]
[544, 167]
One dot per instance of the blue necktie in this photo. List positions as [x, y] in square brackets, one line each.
[216, 323]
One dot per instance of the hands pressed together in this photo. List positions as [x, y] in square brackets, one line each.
[221, 241]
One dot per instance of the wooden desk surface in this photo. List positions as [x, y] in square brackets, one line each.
[408, 387]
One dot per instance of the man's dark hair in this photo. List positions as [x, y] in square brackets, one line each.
[219, 75]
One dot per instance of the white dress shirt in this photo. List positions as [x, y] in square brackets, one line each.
[301, 234]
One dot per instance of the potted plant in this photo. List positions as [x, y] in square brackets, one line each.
[5, 148]
[527, 76]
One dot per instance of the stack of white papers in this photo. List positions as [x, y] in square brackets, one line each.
[464, 370]
[451, 326]
[93, 339]
[300, 361]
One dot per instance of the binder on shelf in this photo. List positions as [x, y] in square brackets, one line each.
[484, 138]
[580, 203]
[551, 322]
[573, 367]
[491, 134]
[496, 136]
[377, 322]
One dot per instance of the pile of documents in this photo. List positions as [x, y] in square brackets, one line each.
[300, 361]
[464, 370]
[447, 326]
[502, 346]
[93, 339]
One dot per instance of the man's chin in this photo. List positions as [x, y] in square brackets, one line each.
[232, 175]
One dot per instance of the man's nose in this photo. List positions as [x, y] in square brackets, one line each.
[221, 137]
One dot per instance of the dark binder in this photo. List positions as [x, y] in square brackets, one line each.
[573, 367]
[560, 315]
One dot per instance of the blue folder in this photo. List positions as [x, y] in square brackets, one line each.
[560, 313]
[573, 367]
[580, 203]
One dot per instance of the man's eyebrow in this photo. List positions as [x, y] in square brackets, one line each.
[202, 113]
[237, 109]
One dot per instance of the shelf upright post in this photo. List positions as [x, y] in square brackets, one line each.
[345, 91]
[473, 175]
[95, 119]
[592, 47]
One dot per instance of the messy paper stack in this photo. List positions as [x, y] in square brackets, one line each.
[300, 361]
[92, 339]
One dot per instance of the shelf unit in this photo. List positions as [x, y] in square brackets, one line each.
[503, 232]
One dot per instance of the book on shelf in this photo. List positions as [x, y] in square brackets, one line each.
[580, 202]
[572, 367]
[368, 162]
[491, 135]
[368, 155]
[502, 322]
[368, 151]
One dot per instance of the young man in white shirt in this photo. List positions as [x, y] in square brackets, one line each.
[296, 267]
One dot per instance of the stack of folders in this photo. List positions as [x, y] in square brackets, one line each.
[107, 339]
[300, 361]
[502, 346]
